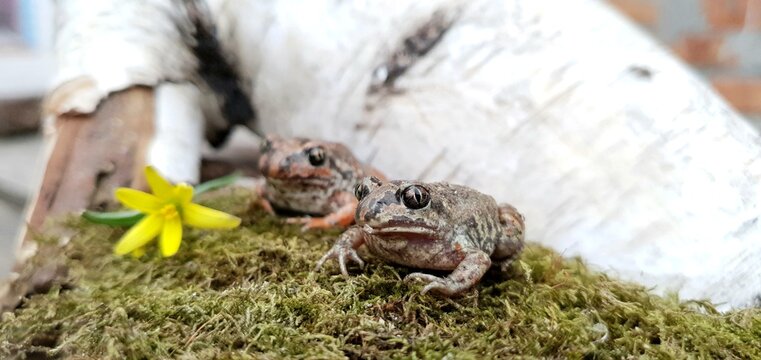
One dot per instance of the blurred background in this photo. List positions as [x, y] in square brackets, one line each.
[26, 68]
[721, 39]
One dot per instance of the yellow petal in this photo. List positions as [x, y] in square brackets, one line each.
[159, 186]
[202, 217]
[140, 234]
[183, 193]
[138, 200]
[171, 236]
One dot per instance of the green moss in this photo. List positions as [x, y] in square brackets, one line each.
[250, 293]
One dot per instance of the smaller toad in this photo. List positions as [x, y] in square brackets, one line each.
[437, 226]
[313, 177]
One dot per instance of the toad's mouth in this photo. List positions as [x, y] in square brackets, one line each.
[410, 232]
[299, 180]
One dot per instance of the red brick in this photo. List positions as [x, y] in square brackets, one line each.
[725, 14]
[753, 20]
[703, 50]
[743, 93]
[642, 11]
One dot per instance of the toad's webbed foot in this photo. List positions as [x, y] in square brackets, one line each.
[439, 284]
[266, 206]
[468, 273]
[345, 247]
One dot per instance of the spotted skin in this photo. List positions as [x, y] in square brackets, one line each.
[437, 226]
[312, 177]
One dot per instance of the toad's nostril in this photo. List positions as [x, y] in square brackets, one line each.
[370, 212]
[281, 167]
[365, 214]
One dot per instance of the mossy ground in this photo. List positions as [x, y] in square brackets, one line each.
[250, 293]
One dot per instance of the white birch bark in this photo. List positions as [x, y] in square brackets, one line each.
[107, 46]
[178, 138]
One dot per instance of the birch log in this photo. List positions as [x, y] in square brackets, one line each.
[614, 150]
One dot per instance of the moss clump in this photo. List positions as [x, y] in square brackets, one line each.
[249, 293]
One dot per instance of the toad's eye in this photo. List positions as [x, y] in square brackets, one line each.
[360, 191]
[415, 197]
[316, 156]
[265, 146]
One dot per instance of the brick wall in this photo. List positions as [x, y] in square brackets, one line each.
[721, 38]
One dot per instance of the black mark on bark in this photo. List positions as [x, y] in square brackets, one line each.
[412, 49]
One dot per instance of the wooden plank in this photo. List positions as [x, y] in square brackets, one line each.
[92, 155]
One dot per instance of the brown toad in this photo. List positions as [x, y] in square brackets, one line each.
[312, 177]
[436, 226]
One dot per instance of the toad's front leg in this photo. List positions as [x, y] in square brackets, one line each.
[260, 189]
[345, 247]
[342, 217]
[470, 270]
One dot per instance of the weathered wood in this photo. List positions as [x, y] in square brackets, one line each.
[92, 155]
[89, 157]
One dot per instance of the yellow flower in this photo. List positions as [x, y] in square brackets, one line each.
[166, 210]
